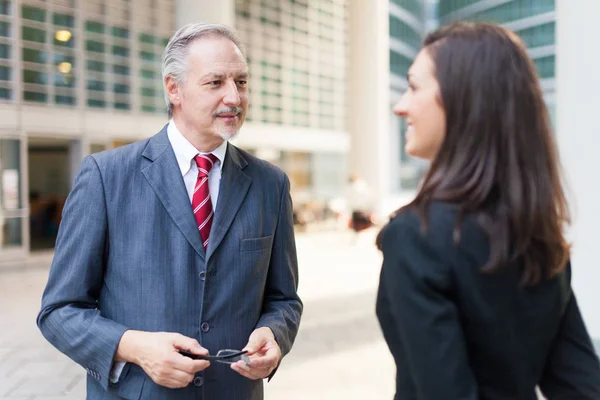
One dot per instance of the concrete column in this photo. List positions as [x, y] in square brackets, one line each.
[369, 95]
[577, 105]
[188, 11]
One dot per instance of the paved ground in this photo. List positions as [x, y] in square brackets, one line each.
[339, 352]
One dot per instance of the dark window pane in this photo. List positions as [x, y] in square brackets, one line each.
[69, 43]
[5, 7]
[93, 45]
[4, 73]
[120, 32]
[96, 103]
[121, 69]
[147, 56]
[120, 88]
[147, 74]
[93, 26]
[64, 80]
[67, 58]
[59, 99]
[145, 38]
[95, 65]
[148, 92]
[30, 76]
[148, 109]
[35, 96]
[96, 85]
[4, 50]
[33, 13]
[63, 20]
[120, 51]
[4, 93]
[33, 55]
[122, 106]
[33, 34]
[5, 29]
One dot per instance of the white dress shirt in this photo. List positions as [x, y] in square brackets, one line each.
[185, 153]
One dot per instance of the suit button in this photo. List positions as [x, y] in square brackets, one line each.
[204, 327]
[198, 381]
[203, 275]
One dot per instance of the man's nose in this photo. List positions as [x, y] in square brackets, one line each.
[232, 96]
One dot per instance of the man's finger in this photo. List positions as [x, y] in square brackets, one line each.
[187, 343]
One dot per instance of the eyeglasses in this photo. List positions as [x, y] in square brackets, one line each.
[225, 356]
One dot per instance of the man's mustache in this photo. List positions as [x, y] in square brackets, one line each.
[232, 110]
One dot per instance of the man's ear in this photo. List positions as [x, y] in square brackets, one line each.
[173, 91]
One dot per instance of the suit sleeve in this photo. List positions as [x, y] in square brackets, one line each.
[282, 307]
[70, 317]
[418, 283]
[572, 370]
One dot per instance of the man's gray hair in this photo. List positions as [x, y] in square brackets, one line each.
[174, 59]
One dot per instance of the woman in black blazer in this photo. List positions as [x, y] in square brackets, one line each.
[475, 300]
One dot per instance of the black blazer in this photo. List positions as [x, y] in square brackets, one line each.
[459, 334]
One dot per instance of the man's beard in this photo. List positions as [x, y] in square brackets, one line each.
[227, 135]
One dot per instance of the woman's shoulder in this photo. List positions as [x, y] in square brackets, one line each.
[438, 224]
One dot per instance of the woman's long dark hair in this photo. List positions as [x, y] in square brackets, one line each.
[499, 159]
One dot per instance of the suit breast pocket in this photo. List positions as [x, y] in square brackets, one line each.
[256, 256]
[256, 244]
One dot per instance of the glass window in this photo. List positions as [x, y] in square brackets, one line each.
[148, 92]
[35, 96]
[148, 74]
[122, 106]
[120, 32]
[5, 93]
[94, 27]
[4, 73]
[33, 13]
[38, 77]
[121, 69]
[33, 34]
[33, 55]
[120, 88]
[146, 38]
[93, 45]
[96, 103]
[146, 108]
[11, 233]
[64, 80]
[61, 99]
[96, 85]
[63, 20]
[120, 51]
[5, 7]
[93, 65]
[5, 29]
[147, 56]
[4, 50]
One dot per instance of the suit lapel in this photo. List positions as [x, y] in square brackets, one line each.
[164, 176]
[232, 192]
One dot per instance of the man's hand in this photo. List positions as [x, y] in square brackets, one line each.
[158, 354]
[264, 353]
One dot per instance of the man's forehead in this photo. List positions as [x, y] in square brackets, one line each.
[220, 69]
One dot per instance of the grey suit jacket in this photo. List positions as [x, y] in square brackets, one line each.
[129, 256]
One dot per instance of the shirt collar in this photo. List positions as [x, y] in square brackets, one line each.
[185, 151]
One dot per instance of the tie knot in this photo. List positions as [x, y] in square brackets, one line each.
[205, 162]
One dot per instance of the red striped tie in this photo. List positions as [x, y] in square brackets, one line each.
[201, 204]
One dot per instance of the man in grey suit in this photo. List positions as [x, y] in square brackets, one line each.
[181, 242]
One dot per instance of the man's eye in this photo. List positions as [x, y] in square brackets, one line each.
[242, 83]
[214, 83]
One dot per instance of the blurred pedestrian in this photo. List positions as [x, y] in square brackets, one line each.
[475, 300]
[359, 200]
[178, 245]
